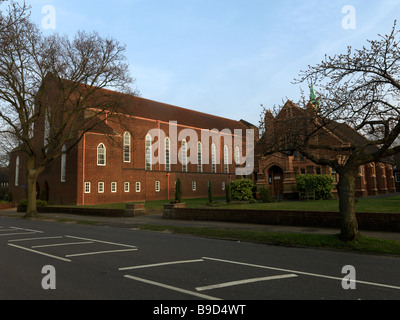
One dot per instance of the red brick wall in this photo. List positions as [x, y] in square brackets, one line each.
[116, 170]
[82, 161]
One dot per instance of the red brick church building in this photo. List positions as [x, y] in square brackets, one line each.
[279, 171]
[113, 162]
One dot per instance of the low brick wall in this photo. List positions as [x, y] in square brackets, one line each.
[132, 210]
[367, 221]
[84, 211]
[4, 206]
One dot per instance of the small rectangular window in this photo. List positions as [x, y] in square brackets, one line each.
[158, 186]
[87, 187]
[113, 187]
[126, 186]
[194, 185]
[223, 185]
[101, 187]
[138, 186]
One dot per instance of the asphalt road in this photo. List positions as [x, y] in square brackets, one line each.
[105, 263]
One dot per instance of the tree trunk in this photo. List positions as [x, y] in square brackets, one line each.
[347, 202]
[32, 175]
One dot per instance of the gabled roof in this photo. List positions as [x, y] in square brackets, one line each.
[342, 132]
[150, 109]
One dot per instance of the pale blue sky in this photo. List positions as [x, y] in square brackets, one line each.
[224, 57]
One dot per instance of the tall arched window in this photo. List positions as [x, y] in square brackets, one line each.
[101, 155]
[167, 154]
[199, 157]
[226, 159]
[148, 153]
[17, 172]
[184, 156]
[237, 156]
[213, 158]
[127, 147]
[46, 129]
[63, 164]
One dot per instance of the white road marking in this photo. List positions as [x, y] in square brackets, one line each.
[304, 273]
[61, 244]
[36, 231]
[33, 239]
[160, 264]
[162, 285]
[240, 282]
[16, 234]
[112, 243]
[20, 233]
[98, 252]
[38, 252]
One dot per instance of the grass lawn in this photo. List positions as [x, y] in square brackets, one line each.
[363, 245]
[387, 205]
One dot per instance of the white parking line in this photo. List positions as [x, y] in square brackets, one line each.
[61, 244]
[160, 264]
[98, 252]
[33, 239]
[106, 242]
[36, 231]
[162, 285]
[16, 234]
[19, 233]
[240, 282]
[304, 273]
[38, 252]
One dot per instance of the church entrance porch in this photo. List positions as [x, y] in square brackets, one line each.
[275, 181]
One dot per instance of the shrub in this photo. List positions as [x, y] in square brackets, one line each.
[322, 184]
[242, 190]
[39, 203]
[178, 191]
[210, 193]
[265, 194]
[228, 192]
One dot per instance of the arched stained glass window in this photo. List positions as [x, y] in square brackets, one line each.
[63, 164]
[167, 154]
[213, 158]
[127, 147]
[184, 156]
[148, 153]
[101, 155]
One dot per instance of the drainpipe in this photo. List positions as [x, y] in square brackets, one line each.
[83, 169]
[168, 175]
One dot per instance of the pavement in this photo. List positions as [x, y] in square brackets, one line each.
[157, 219]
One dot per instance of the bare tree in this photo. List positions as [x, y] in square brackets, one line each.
[359, 91]
[58, 84]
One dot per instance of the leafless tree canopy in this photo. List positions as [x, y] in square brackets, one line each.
[66, 86]
[358, 100]
[81, 66]
[362, 88]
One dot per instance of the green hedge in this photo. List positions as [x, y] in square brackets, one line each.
[322, 184]
[242, 190]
